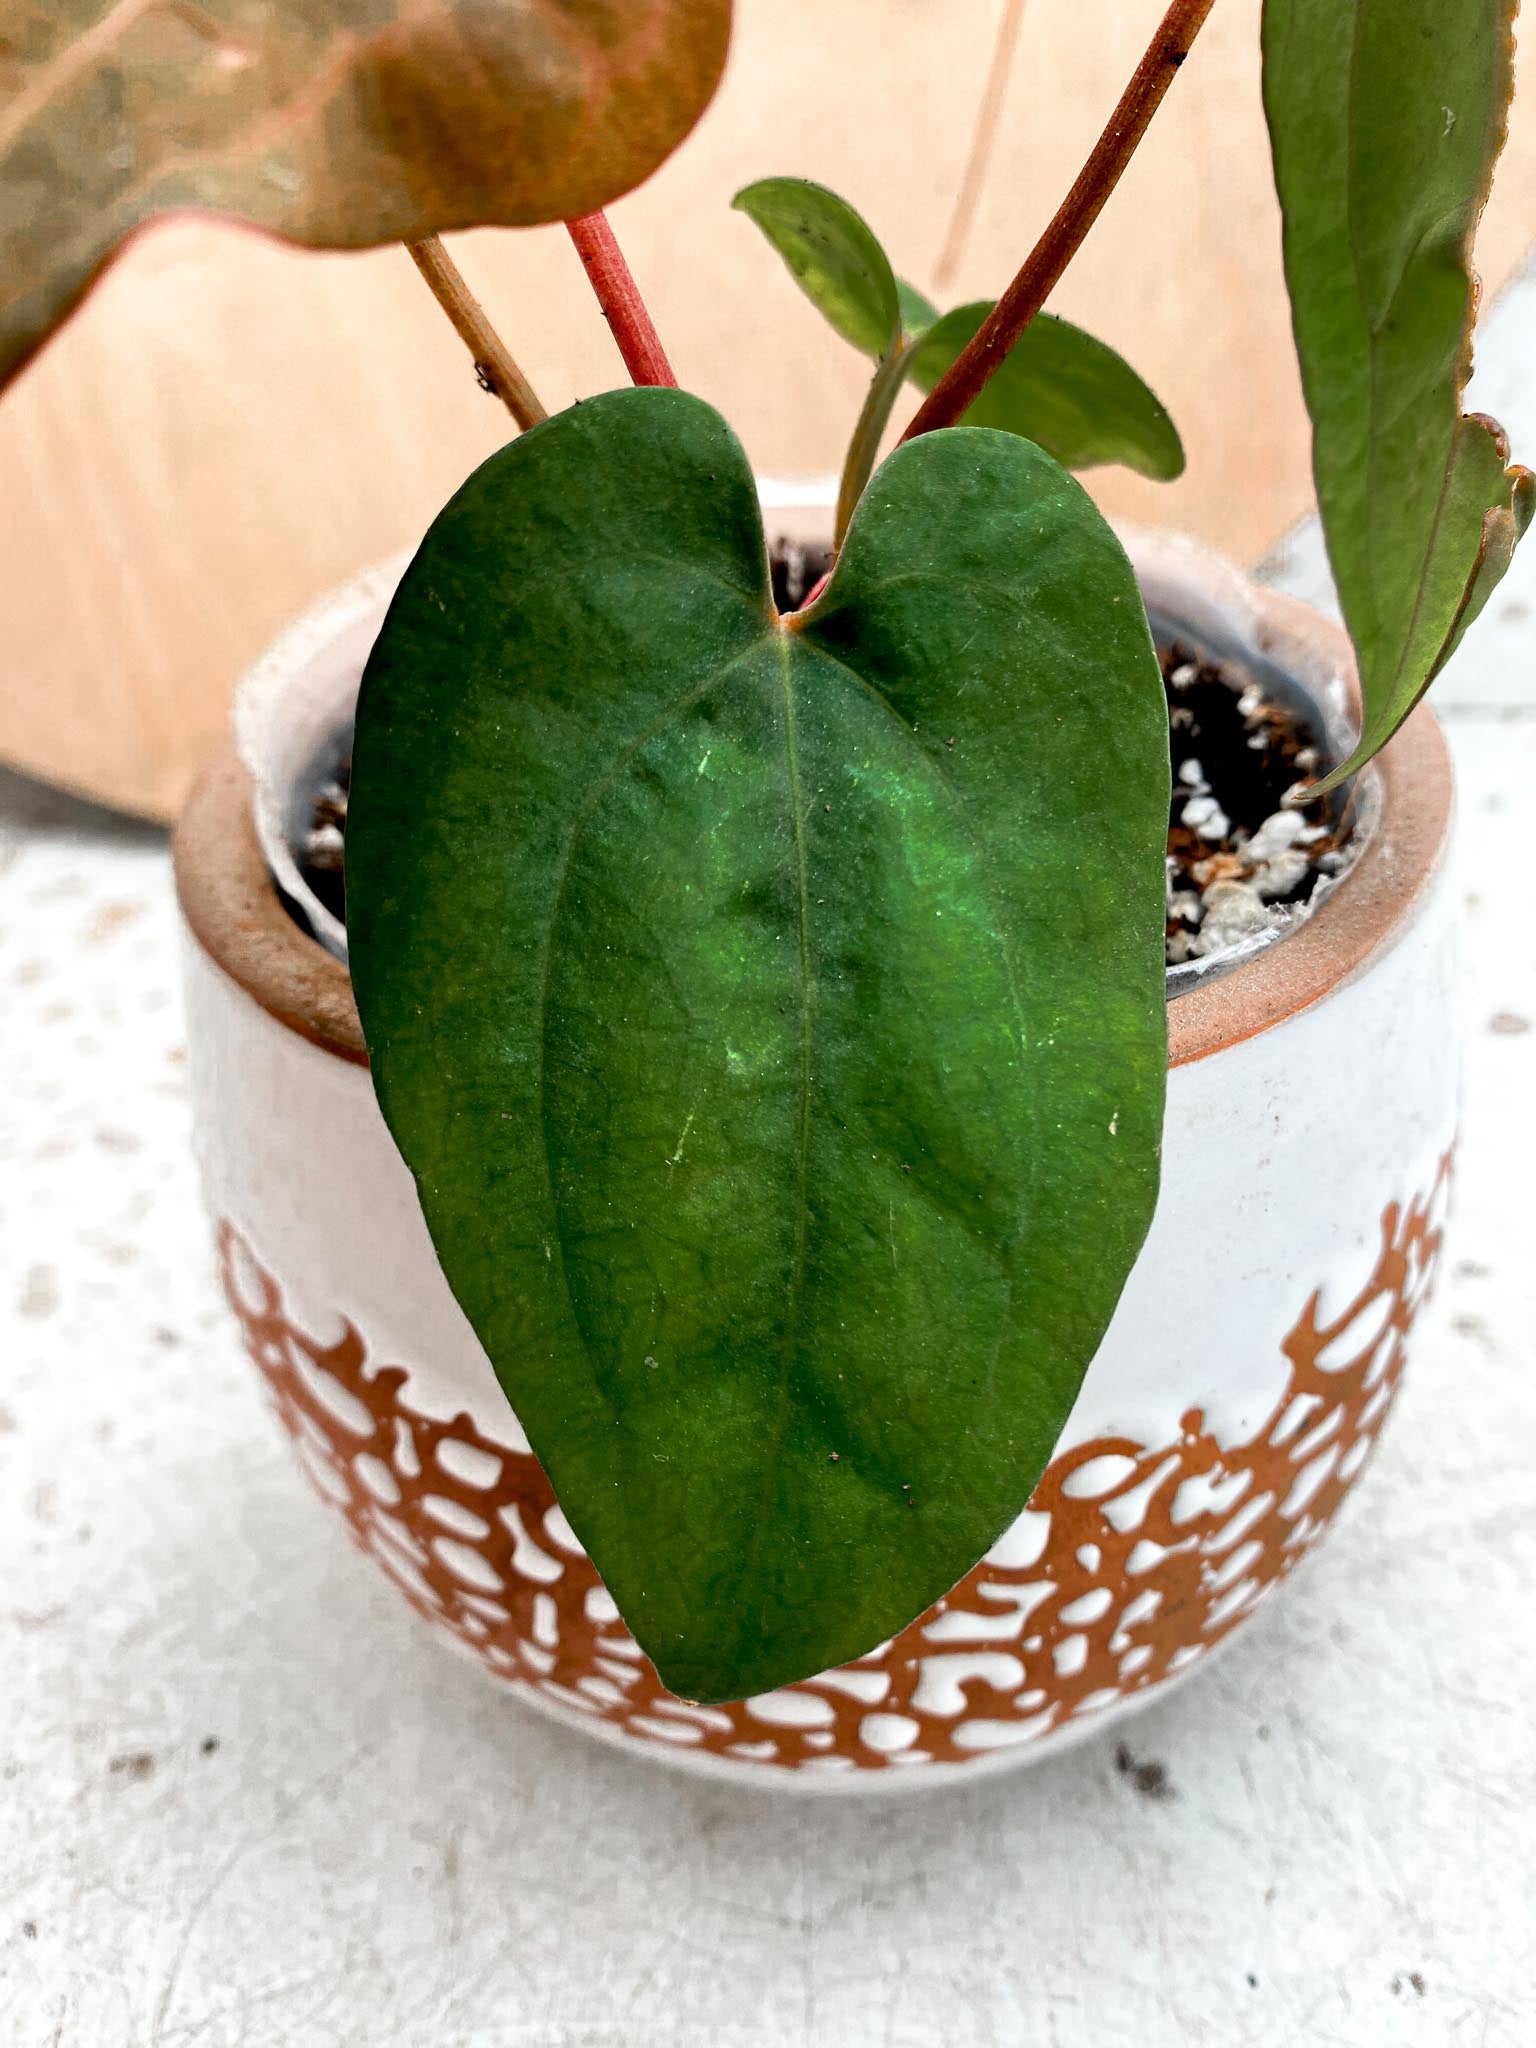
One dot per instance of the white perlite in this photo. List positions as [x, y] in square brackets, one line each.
[1275, 849]
[1233, 912]
[1236, 904]
[1205, 816]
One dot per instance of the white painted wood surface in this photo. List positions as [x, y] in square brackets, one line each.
[246, 1802]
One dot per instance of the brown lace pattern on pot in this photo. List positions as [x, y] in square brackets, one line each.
[1131, 1563]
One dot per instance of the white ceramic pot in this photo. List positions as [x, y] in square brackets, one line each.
[1237, 1396]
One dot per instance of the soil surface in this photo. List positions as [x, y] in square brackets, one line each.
[1241, 866]
[322, 854]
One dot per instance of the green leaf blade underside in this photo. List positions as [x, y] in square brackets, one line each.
[1385, 119]
[1062, 388]
[918, 313]
[773, 1017]
[338, 127]
[834, 256]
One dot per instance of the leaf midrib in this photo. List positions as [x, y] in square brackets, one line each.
[780, 1426]
[583, 818]
[947, 783]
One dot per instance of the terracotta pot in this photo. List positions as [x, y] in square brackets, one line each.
[1236, 1398]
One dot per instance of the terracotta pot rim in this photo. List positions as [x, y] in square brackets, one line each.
[233, 909]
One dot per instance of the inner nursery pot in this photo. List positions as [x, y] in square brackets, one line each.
[1238, 1393]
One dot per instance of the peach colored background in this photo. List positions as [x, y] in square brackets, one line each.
[230, 428]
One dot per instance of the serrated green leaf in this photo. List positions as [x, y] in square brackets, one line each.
[1060, 387]
[1385, 118]
[833, 255]
[771, 1012]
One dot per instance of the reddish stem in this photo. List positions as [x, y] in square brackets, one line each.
[967, 376]
[619, 296]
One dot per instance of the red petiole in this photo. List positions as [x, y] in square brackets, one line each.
[619, 296]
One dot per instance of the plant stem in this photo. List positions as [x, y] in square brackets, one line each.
[619, 296]
[966, 377]
[494, 366]
[865, 445]
[979, 162]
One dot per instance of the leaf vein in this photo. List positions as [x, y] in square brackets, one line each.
[947, 783]
[579, 824]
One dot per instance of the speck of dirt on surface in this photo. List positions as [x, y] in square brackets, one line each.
[39, 1293]
[209, 1745]
[134, 1763]
[1148, 1777]
[111, 1140]
[111, 918]
[1508, 1023]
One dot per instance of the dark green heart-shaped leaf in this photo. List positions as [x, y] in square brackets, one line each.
[771, 1011]
[339, 125]
[833, 256]
[1385, 117]
[1062, 388]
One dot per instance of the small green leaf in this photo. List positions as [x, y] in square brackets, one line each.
[1061, 388]
[833, 256]
[1385, 118]
[917, 313]
[772, 1014]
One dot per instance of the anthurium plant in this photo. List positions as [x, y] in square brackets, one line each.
[771, 1008]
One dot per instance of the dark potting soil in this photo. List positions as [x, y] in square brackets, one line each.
[321, 856]
[1241, 866]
